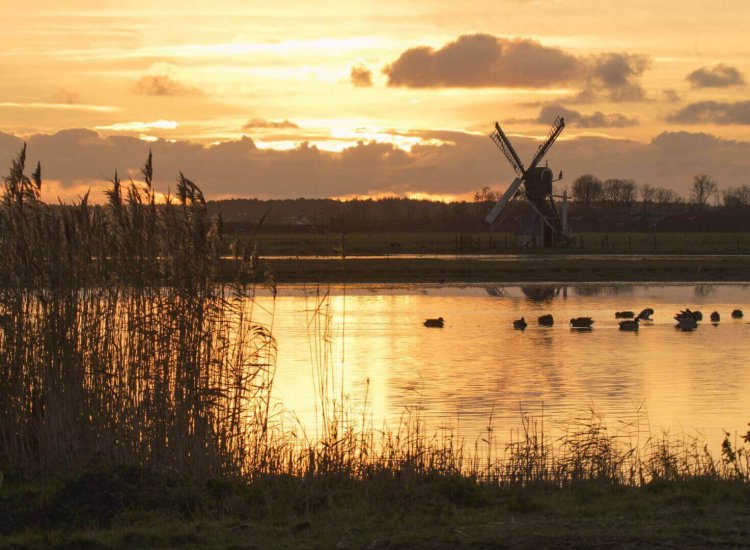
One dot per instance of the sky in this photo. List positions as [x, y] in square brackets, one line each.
[354, 99]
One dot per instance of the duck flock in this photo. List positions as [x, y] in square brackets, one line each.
[686, 320]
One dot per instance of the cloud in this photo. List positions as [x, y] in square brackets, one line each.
[716, 76]
[483, 60]
[138, 126]
[163, 85]
[595, 120]
[255, 123]
[444, 163]
[361, 76]
[617, 75]
[713, 112]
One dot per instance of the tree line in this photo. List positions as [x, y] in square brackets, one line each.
[704, 190]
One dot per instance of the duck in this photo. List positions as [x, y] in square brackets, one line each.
[581, 322]
[520, 323]
[685, 315]
[631, 325]
[698, 315]
[434, 323]
[546, 320]
[624, 315]
[737, 314]
[686, 319]
[715, 317]
[646, 314]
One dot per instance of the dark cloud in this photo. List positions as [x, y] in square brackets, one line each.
[717, 76]
[254, 123]
[713, 112]
[482, 60]
[456, 163]
[616, 75]
[361, 76]
[574, 118]
[162, 85]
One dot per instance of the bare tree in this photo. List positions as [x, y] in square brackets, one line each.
[737, 196]
[704, 188]
[663, 196]
[587, 189]
[648, 194]
[485, 194]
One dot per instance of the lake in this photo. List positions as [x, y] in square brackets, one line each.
[371, 342]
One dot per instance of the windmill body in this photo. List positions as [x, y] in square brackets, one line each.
[533, 185]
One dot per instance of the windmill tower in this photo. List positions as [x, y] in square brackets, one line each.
[534, 185]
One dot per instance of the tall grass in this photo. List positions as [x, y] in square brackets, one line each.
[119, 346]
[116, 344]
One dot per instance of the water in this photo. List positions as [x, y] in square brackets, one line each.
[477, 365]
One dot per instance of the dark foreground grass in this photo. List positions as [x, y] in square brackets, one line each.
[134, 507]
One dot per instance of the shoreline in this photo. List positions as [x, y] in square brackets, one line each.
[636, 268]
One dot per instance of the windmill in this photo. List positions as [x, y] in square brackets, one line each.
[534, 185]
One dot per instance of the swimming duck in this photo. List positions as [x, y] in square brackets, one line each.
[698, 315]
[624, 315]
[520, 323]
[715, 317]
[646, 314]
[629, 325]
[581, 322]
[435, 323]
[737, 314]
[546, 320]
[686, 319]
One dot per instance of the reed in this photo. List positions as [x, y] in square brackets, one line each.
[116, 344]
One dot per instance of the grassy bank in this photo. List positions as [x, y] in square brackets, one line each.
[132, 507]
[310, 244]
[517, 269]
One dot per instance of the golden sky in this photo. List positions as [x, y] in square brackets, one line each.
[417, 82]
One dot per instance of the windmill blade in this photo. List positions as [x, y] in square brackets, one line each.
[503, 143]
[557, 127]
[503, 202]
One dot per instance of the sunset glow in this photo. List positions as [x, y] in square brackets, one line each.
[398, 75]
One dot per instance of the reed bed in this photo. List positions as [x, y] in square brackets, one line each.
[119, 346]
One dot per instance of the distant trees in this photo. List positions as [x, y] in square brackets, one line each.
[736, 196]
[664, 196]
[485, 194]
[703, 189]
[587, 189]
[619, 191]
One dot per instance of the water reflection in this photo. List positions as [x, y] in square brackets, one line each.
[604, 290]
[478, 363]
[541, 293]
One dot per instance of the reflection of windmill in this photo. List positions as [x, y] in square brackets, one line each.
[534, 184]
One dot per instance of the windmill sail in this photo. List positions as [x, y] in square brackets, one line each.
[503, 143]
[557, 127]
[503, 202]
